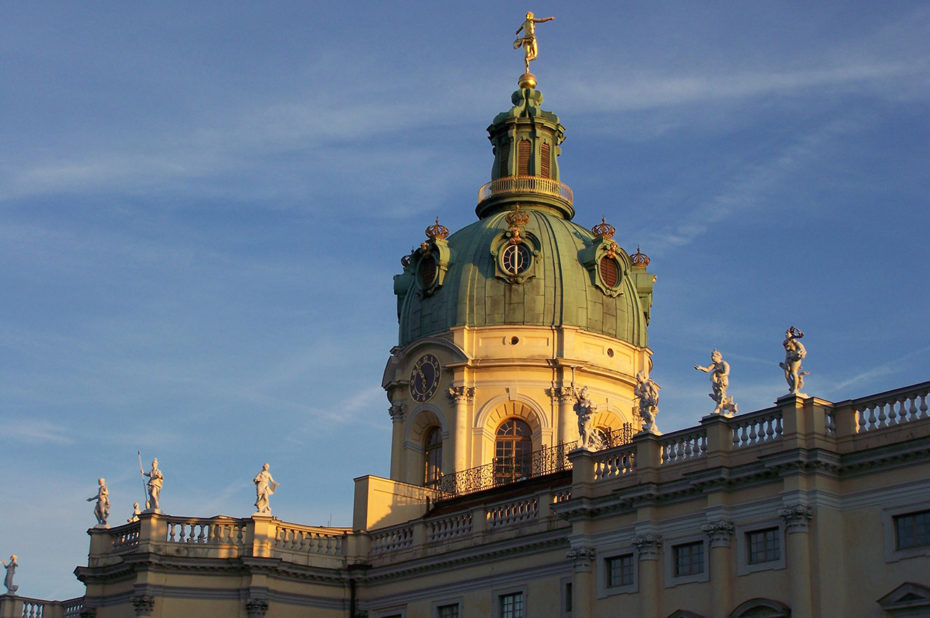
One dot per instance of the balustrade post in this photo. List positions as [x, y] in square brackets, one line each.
[11, 606]
[794, 425]
[479, 520]
[719, 439]
[845, 420]
[153, 531]
[648, 455]
[357, 547]
[419, 533]
[263, 534]
[582, 472]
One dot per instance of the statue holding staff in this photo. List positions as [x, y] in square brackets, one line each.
[264, 488]
[102, 508]
[794, 354]
[528, 40]
[156, 479]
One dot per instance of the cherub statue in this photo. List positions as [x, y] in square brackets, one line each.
[719, 371]
[528, 40]
[135, 513]
[647, 392]
[794, 354]
[585, 408]
[156, 479]
[102, 508]
[10, 572]
[264, 487]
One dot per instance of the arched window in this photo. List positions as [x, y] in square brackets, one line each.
[513, 449]
[432, 457]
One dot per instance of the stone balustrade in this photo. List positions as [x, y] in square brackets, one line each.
[795, 422]
[12, 606]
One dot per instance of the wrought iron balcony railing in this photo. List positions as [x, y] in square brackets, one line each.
[525, 184]
[538, 463]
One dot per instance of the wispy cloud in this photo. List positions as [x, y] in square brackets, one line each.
[32, 431]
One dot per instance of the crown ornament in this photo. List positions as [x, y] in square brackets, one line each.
[516, 220]
[604, 229]
[437, 230]
[639, 258]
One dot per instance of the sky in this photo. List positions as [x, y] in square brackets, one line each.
[202, 205]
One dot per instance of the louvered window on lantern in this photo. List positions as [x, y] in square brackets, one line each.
[523, 158]
[544, 167]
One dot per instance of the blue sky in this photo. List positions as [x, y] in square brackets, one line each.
[202, 206]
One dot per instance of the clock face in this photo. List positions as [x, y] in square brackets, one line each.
[424, 379]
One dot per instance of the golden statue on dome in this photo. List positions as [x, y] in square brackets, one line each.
[529, 45]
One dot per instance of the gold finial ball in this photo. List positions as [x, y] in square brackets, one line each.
[527, 80]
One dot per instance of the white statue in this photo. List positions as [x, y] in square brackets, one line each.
[102, 508]
[156, 479]
[719, 371]
[794, 354]
[10, 572]
[647, 392]
[264, 487]
[585, 409]
[135, 513]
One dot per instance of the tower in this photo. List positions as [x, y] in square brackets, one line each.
[501, 322]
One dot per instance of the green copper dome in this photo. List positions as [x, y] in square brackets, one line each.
[524, 262]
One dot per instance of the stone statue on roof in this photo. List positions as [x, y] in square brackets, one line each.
[647, 392]
[585, 408]
[102, 508]
[719, 371]
[10, 572]
[794, 354]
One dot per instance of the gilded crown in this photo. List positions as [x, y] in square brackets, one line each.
[516, 218]
[639, 258]
[604, 229]
[437, 230]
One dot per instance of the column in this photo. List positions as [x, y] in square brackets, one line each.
[398, 415]
[648, 547]
[566, 423]
[720, 532]
[797, 558]
[461, 396]
[583, 591]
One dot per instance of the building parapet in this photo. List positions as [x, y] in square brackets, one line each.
[13, 606]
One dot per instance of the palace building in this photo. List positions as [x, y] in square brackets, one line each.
[495, 507]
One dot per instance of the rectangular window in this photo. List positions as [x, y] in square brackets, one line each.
[511, 605]
[619, 571]
[544, 154]
[912, 530]
[523, 158]
[689, 559]
[448, 611]
[567, 599]
[763, 546]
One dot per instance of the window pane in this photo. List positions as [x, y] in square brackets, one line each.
[689, 559]
[912, 530]
[511, 605]
[448, 611]
[620, 571]
[763, 545]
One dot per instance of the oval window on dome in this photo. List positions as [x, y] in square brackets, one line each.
[610, 271]
[515, 259]
[427, 270]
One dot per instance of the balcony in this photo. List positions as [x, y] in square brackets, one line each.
[513, 185]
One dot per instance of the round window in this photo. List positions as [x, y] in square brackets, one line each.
[515, 259]
[427, 270]
[610, 271]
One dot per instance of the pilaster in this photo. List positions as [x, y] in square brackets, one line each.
[648, 547]
[582, 558]
[797, 519]
[720, 533]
